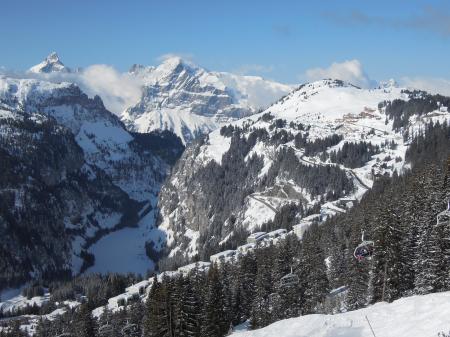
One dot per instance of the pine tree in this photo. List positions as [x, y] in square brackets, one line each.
[214, 319]
[429, 255]
[313, 277]
[264, 287]
[157, 312]
[84, 322]
[190, 315]
[225, 271]
[43, 328]
[443, 232]
[387, 240]
[285, 301]
[246, 287]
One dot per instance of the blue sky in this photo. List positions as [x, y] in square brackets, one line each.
[280, 40]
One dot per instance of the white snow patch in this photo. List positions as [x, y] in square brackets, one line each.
[416, 316]
[216, 147]
[123, 251]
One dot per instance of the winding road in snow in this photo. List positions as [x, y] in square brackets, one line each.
[302, 159]
[264, 203]
[353, 174]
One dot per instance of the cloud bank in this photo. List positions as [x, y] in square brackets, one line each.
[350, 71]
[431, 85]
[117, 90]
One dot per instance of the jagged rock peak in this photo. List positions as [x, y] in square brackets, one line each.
[51, 64]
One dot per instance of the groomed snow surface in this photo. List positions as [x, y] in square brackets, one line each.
[416, 316]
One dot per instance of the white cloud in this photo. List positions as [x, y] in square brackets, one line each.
[429, 84]
[350, 71]
[183, 56]
[117, 90]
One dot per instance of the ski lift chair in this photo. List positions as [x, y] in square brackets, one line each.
[289, 280]
[364, 249]
[273, 298]
[443, 217]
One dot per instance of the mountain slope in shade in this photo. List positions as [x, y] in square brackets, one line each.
[80, 172]
[180, 96]
[51, 64]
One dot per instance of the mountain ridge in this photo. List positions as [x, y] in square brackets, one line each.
[328, 126]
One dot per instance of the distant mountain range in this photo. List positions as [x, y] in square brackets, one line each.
[185, 98]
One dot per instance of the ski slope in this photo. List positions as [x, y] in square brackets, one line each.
[416, 316]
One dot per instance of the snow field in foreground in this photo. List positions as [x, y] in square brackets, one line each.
[416, 316]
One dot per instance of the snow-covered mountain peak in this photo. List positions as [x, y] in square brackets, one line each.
[51, 64]
[173, 62]
[189, 100]
[176, 69]
[331, 100]
[52, 57]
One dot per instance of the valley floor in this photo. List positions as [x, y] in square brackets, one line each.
[123, 251]
[415, 316]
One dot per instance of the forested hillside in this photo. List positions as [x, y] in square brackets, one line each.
[412, 256]
[316, 149]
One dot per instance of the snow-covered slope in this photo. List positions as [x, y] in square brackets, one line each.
[51, 64]
[102, 177]
[241, 176]
[416, 316]
[180, 96]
